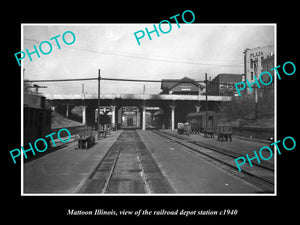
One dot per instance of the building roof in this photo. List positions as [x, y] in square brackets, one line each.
[171, 83]
[228, 77]
[259, 48]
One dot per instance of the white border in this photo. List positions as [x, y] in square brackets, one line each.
[196, 194]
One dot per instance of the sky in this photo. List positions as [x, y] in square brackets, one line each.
[191, 50]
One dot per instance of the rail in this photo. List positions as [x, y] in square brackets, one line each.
[260, 176]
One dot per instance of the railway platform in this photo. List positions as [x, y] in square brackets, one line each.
[64, 170]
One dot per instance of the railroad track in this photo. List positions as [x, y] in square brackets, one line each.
[127, 167]
[258, 175]
[263, 164]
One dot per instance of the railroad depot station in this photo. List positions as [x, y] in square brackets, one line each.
[174, 142]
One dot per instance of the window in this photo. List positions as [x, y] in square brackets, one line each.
[251, 75]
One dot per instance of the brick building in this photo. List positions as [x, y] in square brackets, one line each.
[223, 84]
[267, 64]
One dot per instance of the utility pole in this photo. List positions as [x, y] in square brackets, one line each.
[256, 103]
[205, 102]
[144, 109]
[67, 112]
[98, 113]
[83, 93]
[83, 106]
[198, 109]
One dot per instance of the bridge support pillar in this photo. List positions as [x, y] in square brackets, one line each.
[113, 116]
[84, 114]
[144, 118]
[172, 117]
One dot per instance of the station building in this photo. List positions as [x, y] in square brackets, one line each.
[184, 86]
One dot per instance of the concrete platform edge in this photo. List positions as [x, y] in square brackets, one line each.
[80, 185]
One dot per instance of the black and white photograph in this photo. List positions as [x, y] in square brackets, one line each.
[150, 113]
[143, 109]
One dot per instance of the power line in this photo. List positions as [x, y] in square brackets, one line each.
[61, 80]
[129, 80]
[158, 59]
[103, 78]
[148, 58]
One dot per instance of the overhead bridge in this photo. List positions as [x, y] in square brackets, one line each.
[143, 97]
[136, 110]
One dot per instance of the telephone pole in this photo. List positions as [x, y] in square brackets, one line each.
[98, 113]
[206, 102]
[83, 93]
[256, 103]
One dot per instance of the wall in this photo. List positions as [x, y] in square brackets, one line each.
[256, 55]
